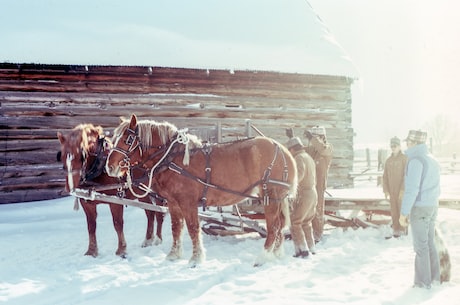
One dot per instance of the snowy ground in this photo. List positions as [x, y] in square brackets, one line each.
[42, 262]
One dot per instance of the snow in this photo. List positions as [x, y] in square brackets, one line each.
[266, 35]
[42, 262]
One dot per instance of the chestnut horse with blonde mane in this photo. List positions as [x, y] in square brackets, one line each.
[189, 173]
[83, 152]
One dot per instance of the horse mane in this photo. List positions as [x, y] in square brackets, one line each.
[83, 133]
[166, 131]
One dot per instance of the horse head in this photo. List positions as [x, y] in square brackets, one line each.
[126, 146]
[146, 142]
[80, 151]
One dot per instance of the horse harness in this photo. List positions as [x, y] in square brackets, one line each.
[98, 167]
[206, 150]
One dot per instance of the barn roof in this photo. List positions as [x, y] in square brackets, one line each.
[268, 35]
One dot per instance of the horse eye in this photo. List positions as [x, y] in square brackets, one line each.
[58, 156]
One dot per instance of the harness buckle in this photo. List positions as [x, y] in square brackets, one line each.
[266, 200]
[120, 192]
[285, 174]
[204, 200]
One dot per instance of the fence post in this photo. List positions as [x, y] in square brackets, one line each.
[368, 158]
[382, 157]
[248, 128]
[453, 163]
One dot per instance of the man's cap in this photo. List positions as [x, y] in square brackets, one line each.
[318, 131]
[395, 141]
[417, 136]
[293, 142]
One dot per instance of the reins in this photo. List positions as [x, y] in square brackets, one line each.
[182, 138]
[265, 180]
[96, 169]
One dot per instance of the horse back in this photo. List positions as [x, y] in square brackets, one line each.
[254, 156]
[233, 166]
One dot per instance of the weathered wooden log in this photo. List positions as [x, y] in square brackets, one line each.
[36, 101]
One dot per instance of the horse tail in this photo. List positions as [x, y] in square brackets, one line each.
[76, 204]
[285, 210]
[292, 193]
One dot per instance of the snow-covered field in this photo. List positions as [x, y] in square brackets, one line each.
[42, 262]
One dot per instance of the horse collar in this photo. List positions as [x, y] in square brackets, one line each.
[97, 167]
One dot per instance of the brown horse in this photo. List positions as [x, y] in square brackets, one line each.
[84, 152]
[188, 172]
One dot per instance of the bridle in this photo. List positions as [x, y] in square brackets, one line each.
[85, 173]
[134, 143]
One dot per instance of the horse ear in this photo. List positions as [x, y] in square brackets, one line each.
[133, 123]
[61, 137]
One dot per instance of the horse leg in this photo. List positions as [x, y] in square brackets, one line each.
[177, 224]
[117, 217]
[194, 230]
[148, 241]
[274, 239]
[283, 215]
[159, 236]
[278, 249]
[91, 215]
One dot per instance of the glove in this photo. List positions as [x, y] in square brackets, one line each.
[308, 134]
[403, 221]
[289, 133]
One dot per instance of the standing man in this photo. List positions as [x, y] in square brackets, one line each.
[304, 206]
[393, 183]
[321, 152]
[420, 203]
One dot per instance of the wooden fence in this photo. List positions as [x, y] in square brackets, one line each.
[369, 165]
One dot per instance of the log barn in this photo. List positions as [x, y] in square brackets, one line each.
[218, 100]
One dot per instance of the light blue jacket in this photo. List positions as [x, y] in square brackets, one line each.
[422, 179]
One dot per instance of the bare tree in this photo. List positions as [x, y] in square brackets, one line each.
[443, 133]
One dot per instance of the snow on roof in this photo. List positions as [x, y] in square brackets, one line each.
[268, 35]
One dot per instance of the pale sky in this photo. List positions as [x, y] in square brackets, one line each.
[408, 56]
[405, 52]
[216, 34]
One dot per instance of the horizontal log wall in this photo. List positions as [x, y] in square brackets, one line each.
[36, 101]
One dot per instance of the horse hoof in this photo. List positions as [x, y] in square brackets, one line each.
[192, 265]
[121, 253]
[172, 257]
[157, 241]
[91, 253]
[195, 261]
[301, 254]
[147, 243]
